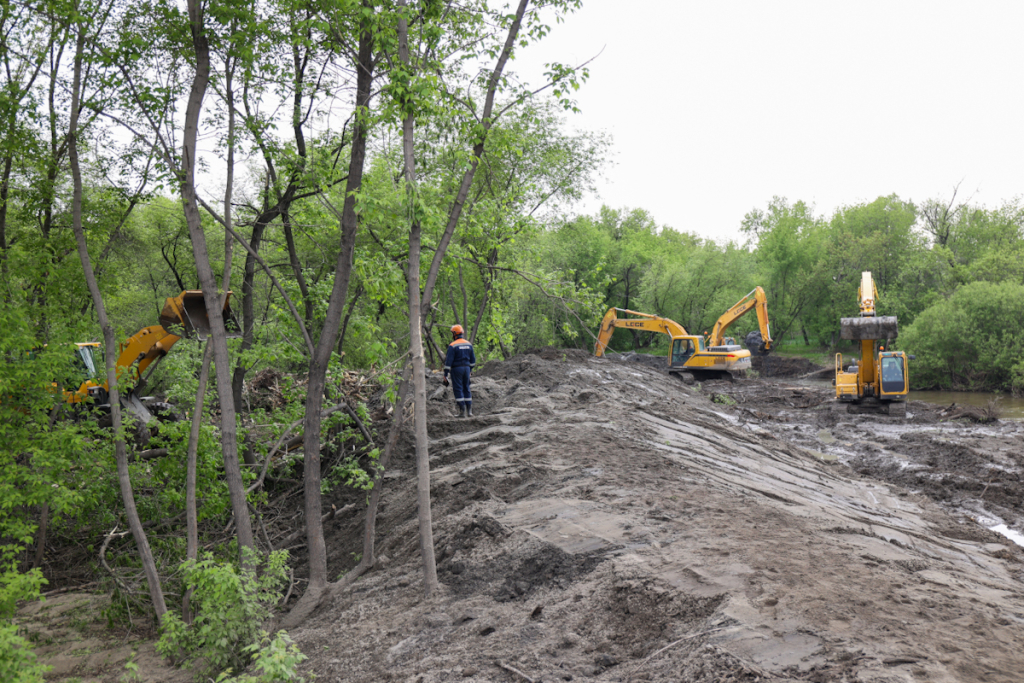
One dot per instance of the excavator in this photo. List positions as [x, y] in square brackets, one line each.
[879, 382]
[758, 342]
[704, 359]
[138, 356]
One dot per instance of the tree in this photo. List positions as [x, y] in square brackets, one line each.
[972, 341]
[788, 243]
[82, 37]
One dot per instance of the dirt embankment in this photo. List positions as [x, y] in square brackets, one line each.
[600, 520]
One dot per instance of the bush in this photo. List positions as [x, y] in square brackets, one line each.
[17, 660]
[230, 606]
[973, 341]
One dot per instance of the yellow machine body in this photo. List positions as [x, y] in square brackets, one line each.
[687, 352]
[880, 377]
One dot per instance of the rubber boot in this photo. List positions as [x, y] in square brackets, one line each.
[469, 410]
[462, 410]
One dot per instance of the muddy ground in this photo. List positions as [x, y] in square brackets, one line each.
[602, 520]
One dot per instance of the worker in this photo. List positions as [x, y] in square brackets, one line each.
[459, 361]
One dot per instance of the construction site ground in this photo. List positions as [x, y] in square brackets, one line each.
[600, 519]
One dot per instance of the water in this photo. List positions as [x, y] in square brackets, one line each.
[1008, 406]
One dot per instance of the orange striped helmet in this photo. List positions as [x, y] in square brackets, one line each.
[457, 329]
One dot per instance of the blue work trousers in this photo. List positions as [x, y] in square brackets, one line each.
[460, 385]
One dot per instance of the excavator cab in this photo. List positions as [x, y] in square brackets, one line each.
[683, 349]
[893, 366]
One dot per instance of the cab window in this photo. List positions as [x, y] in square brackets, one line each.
[682, 349]
[892, 370]
[893, 379]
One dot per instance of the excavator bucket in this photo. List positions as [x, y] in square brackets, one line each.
[186, 315]
[869, 328]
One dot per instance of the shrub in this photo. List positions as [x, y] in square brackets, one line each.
[17, 660]
[230, 606]
[972, 341]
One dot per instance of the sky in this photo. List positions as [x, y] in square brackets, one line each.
[715, 107]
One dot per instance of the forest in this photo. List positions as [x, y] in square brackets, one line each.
[360, 175]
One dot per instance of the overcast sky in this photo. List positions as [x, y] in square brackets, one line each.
[717, 106]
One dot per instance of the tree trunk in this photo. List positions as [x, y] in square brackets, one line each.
[369, 558]
[110, 345]
[318, 363]
[44, 518]
[478, 150]
[248, 307]
[191, 511]
[348, 316]
[419, 380]
[207, 280]
[293, 257]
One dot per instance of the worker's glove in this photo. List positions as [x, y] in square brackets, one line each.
[445, 380]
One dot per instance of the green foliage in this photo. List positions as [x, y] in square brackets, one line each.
[973, 340]
[17, 660]
[276, 660]
[230, 603]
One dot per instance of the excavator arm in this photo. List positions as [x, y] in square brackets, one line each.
[185, 316]
[646, 323]
[754, 300]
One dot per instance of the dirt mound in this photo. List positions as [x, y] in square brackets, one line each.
[600, 520]
[555, 353]
[777, 366]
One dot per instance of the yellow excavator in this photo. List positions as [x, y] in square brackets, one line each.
[182, 316]
[879, 382]
[714, 358]
[758, 342]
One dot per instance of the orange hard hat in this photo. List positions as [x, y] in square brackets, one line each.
[457, 329]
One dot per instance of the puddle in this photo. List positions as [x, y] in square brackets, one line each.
[1009, 533]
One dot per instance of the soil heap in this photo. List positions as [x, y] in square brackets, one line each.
[601, 520]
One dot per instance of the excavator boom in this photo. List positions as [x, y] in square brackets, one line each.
[755, 300]
[647, 323]
[185, 315]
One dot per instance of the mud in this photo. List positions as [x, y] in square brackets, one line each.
[963, 459]
[602, 520]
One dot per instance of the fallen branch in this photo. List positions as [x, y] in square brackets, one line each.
[669, 646]
[103, 557]
[295, 441]
[68, 589]
[151, 454]
[291, 585]
[514, 670]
